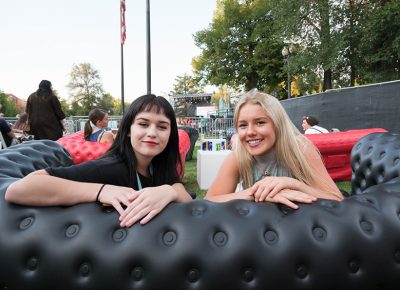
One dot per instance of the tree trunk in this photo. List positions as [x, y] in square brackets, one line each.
[252, 80]
[326, 43]
[327, 80]
[352, 53]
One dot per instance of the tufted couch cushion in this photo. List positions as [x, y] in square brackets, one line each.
[354, 244]
[82, 150]
[375, 159]
[20, 160]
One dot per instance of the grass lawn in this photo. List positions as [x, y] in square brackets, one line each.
[190, 179]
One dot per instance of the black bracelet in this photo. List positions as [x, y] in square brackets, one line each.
[98, 194]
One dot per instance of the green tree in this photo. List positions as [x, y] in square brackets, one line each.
[117, 110]
[85, 87]
[106, 102]
[187, 84]
[7, 106]
[240, 47]
[380, 42]
[316, 26]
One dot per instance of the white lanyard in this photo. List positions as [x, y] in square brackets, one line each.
[139, 184]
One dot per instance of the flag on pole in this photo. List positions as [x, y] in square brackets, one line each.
[123, 26]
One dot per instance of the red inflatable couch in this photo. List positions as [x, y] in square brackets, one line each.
[82, 150]
[336, 148]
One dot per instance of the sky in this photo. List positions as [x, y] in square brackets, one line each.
[43, 39]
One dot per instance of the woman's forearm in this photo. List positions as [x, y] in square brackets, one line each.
[317, 192]
[46, 190]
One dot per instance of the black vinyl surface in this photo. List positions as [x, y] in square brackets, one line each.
[363, 107]
[354, 244]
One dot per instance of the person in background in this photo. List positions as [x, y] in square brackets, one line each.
[6, 132]
[310, 125]
[21, 128]
[96, 128]
[21, 125]
[272, 160]
[44, 113]
[137, 175]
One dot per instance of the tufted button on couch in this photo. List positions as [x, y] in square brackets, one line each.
[375, 159]
[239, 245]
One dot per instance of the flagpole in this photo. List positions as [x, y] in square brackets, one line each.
[123, 36]
[122, 81]
[148, 47]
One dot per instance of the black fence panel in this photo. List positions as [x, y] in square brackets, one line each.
[370, 106]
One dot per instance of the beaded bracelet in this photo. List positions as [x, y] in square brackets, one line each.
[98, 194]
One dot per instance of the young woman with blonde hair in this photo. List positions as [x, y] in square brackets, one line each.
[272, 160]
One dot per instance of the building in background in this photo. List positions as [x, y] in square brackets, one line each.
[19, 103]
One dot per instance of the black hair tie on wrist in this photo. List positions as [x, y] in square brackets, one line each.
[98, 194]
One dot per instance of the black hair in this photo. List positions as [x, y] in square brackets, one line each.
[312, 121]
[164, 164]
[94, 116]
[44, 89]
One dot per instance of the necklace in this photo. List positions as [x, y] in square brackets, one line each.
[260, 174]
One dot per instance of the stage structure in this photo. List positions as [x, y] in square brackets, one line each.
[185, 104]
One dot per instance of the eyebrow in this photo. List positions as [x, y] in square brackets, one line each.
[256, 119]
[147, 120]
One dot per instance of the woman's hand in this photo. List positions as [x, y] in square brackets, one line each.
[269, 186]
[146, 204]
[116, 196]
[287, 197]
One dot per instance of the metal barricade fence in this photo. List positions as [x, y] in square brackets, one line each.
[210, 127]
[77, 123]
[207, 127]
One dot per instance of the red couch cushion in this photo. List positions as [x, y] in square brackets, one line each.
[336, 148]
[82, 150]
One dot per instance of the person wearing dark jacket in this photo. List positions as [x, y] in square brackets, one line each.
[6, 132]
[44, 113]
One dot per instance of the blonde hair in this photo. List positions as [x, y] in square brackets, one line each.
[290, 144]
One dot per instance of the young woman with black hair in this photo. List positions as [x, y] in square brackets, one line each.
[137, 175]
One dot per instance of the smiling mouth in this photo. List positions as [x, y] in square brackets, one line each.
[150, 143]
[254, 142]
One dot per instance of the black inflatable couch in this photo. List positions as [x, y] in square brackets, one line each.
[354, 244]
